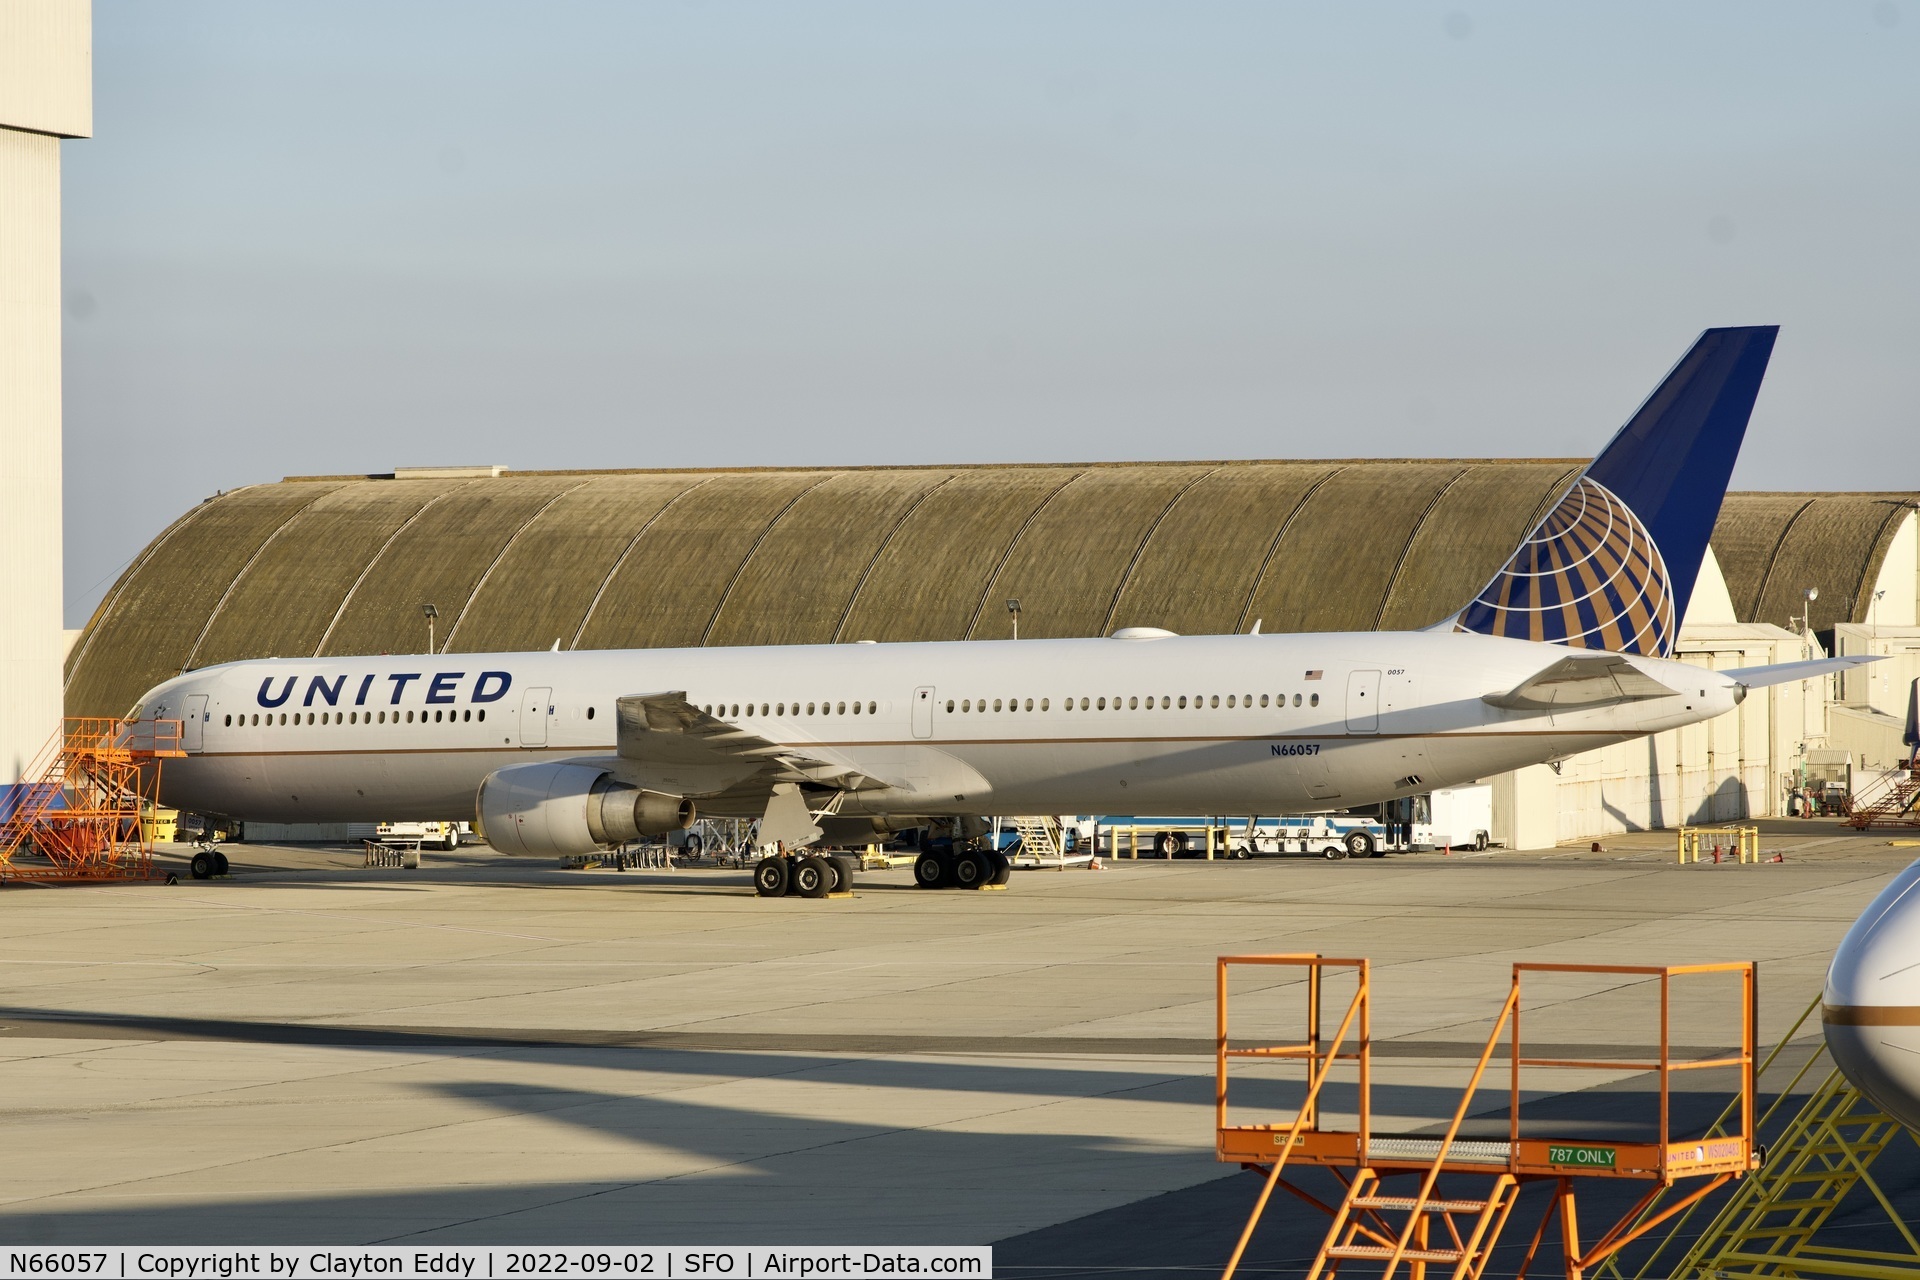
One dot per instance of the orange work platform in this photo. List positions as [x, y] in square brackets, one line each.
[76, 812]
[1421, 1228]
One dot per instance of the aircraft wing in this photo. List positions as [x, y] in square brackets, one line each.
[1577, 683]
[678, 748]
[1782, 672]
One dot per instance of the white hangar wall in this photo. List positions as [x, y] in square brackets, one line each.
[46, 94]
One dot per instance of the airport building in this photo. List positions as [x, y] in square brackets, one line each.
[46, 94]
[332, 565]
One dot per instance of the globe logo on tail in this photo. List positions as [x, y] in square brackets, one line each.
[1589, 577]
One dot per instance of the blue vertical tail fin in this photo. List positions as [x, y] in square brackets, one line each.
[1612, 566]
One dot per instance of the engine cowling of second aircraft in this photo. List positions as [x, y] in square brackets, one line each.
[560, 808]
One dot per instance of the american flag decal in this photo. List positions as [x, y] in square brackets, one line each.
[1589, 577]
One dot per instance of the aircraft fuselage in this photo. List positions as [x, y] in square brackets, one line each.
[1195, 724]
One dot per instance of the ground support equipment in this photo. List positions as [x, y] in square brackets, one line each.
[1891, 800]
[1744, 841]
[77, 812]
[393, 853]
[1458, 1232]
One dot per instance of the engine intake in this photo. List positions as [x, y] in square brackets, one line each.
[560, 808]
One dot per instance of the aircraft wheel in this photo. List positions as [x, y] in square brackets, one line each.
[770, 877]
[844, 866]
[1170, 844]
[930, 871]
[971, 869]
[202, 865]
[1333, 853]
[1002, 868]
[219, 863]
[1360, 845]
[813, 877]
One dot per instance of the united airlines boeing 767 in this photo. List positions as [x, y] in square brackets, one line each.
[1568, 648]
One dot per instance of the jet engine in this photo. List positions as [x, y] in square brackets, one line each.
[561, 808]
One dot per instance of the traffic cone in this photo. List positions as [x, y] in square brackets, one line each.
[1093, 864]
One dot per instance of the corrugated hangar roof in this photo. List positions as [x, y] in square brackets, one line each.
[1773, 546]
[647, 559]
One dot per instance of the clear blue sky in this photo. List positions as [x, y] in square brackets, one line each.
[323, 237]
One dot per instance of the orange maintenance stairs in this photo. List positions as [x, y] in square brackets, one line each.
[1424, 1229]
[76, 812]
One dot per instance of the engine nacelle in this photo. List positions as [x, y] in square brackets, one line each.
[560, 808]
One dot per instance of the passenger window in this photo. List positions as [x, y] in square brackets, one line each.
[1083, 704]
[1296, 699]
[1030, 703]
[1043, 704]
[1214, 701]
[483, 713]
[1315, 699]
[229, 722]
[1103, 704]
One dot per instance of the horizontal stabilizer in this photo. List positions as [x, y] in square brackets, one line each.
[1576, 683]
[1783, 672]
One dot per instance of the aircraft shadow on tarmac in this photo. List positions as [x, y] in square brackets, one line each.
[742, 1174]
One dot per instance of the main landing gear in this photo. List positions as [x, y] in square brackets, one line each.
[810, 875]
[962, 869]
[207, 863]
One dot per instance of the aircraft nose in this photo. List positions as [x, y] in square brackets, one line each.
[1871, 1006]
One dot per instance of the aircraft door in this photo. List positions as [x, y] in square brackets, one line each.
[923, 711]
[535, 707]
[1363, 702]
[193, 724]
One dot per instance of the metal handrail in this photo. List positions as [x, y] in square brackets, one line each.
[1509, 1009]
[1358, 1008]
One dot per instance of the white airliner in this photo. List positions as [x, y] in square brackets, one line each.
[1568, 648]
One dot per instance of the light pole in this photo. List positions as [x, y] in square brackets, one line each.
[430, 612]
[1013, 607]
[1806, 613]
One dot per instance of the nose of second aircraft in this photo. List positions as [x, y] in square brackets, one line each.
[1871, 1007]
